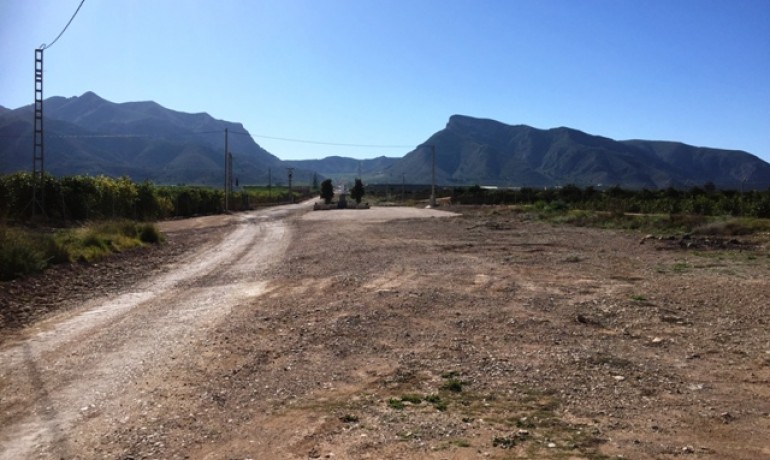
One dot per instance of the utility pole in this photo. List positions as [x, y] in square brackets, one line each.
[38, 170]
[290, 171]
[230, 176]
[38, 152]
[433, 181]
[227, 179]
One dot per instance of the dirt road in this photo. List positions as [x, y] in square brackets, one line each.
[75, 372]
[401, 334]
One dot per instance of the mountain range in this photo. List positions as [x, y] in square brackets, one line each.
[486, 152]
[143, 140]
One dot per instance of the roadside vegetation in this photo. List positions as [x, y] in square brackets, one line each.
[24, 251]
[84, 218]
[697, 211]
[705, 201]
[88, 198]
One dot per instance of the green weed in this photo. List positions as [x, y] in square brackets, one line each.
[437, 402]
[680, 267]
[411, 398]
[395, 403]
[26, 251]
[453, 385]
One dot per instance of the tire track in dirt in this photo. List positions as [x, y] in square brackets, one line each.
[69, 371]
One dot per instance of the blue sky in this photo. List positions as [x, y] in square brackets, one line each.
[392, 72]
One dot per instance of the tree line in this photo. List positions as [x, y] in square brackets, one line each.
[705, 201]
[84, 198]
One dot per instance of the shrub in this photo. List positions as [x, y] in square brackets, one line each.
[149, 233]
[20, 254]
[453, 385]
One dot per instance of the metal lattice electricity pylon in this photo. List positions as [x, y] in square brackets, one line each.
[38, 151]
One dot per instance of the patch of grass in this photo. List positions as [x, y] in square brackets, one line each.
[453, 385]
[411, 398]
[680, 267]
[21, 253]
[437, 402]
[638, 298]
[733, 227]
[396, 403]
[26, 251]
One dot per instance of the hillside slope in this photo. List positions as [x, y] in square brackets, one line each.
[143, 140]
[487, 152]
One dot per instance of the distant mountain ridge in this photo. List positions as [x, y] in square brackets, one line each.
[143, 140]
[487, 152]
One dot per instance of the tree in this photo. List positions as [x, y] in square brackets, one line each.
[327, 191]
[357, 192]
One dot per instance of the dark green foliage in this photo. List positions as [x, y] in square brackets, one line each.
[437, 402]
[93, 198]
[453, 385]
[617, 201]
[412, 398]
[357, 192]
[327, 191]
[20, 254]
[27, 250]
[149, 233]
[395, 403]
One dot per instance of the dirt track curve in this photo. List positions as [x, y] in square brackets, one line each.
[69, 373]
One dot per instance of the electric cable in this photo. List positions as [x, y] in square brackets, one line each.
[44, 46]
[339, 144]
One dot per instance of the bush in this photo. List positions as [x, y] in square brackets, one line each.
[19, 254]
[149, 233]
[27, 251]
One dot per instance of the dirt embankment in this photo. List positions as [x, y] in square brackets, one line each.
[475, 336]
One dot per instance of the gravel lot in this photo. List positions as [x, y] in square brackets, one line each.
[392, 333]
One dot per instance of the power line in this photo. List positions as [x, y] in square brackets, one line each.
[339, 144]
[286, 139]
[44, 46]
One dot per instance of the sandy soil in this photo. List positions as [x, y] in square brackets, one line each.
[374, 334]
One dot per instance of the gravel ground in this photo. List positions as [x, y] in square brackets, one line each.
[478, 335]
